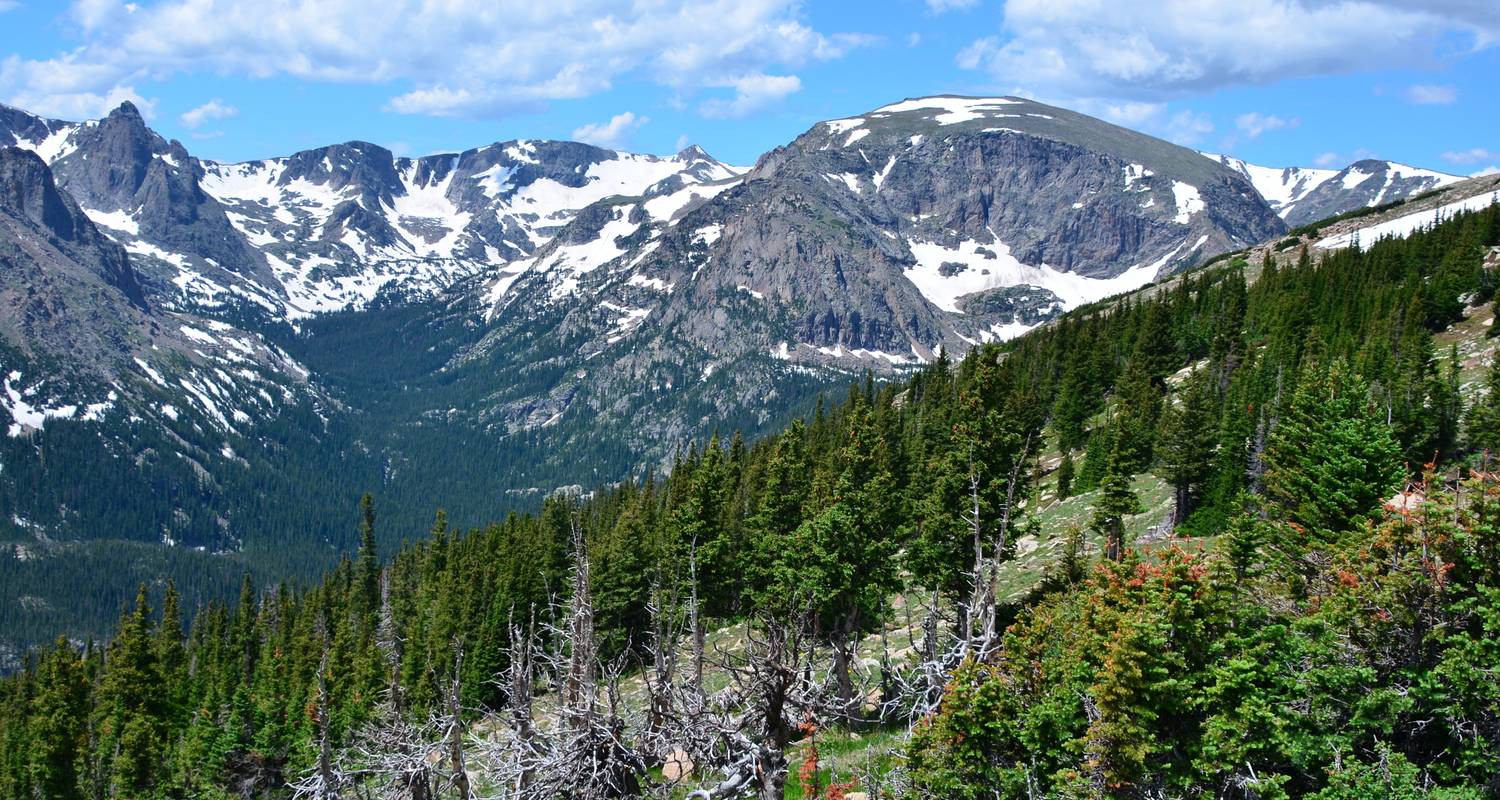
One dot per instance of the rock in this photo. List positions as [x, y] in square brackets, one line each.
[677, 766]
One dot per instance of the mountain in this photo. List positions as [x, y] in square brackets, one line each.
[908, 229]
[1303, 195]
[868, 243]
[478, 329]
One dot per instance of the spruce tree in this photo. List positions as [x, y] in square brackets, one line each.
[1482, 428]
[1117, 500]
[1187, 445]
[56, 734]
[1332, 458]
[1065, 476]
[129, 708]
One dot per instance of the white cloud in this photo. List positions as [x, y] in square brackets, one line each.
[753, 92]
[1158, 49]
[7, 5]
[1490, 170]
[213, 109]
[1430, 95]
[613, 134]
[1188, 127]
[460, 57]
[1185, 127]
[1254, 123]
[940, 6]
[1340, 160]
[1474, 155]
[683, 140]
[66, 88]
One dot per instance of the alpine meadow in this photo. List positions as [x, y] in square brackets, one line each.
[1009, 440]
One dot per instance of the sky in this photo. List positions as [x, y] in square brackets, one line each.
[1276, 82]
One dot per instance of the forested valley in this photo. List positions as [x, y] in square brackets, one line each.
[1317, 616]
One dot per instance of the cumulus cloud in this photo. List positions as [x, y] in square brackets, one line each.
[1490, 170]
[1430, 95]
[1474, 155]
[1159, 49]
[473, 58]
[1254, 123]
[752, 93]
[66, 88]
[1185, 127]
[615, 133]
[212, 110]
[1188, 127]
[940, 6]
[1340, 160]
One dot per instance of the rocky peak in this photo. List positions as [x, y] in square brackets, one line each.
[28, 192]
[29, 198]
[361, 168]
[110, 160]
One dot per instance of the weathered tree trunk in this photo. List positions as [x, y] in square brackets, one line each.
[456, 729]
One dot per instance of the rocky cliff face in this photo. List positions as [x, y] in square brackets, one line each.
[64, 286]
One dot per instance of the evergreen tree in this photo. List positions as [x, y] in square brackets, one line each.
[1117, 500]
[56, 734]
[1482, 428]
[1078, 398]
[1332, 459]
[129, 708]
[1188, 440]
[1134, 426]
[1065, 476]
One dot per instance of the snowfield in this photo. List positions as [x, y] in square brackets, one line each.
[1367, 236]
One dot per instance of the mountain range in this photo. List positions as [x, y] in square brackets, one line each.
[218, 358]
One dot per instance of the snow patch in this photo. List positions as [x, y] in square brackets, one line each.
[1188, 201]
[954, 109]
[997, 268]
[114, 220]
[1408, 223]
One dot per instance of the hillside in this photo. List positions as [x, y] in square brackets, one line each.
[1265, 597]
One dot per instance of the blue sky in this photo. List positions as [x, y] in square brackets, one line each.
[1277, 82]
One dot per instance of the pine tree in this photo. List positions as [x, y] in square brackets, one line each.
[1482, 428]
[843, 566]
[1077, 399]
[367, 571]
[1134, 425]
[1117, 500]
[1187, 445]
[129, 708]
[1065, 476]
[1446, 403]
[56, 733]
[1332, 458]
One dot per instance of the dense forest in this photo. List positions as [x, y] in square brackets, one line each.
[1319, 615]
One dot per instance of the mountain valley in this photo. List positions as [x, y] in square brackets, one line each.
[203, 359]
